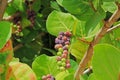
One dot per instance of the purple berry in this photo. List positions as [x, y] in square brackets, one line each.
[61, 33]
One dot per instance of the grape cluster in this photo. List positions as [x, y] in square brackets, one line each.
[17, 25]
[62, 46]
[48, 77]
[31, 16]
[30, 13]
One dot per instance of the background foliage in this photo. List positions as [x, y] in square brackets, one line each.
[32, 26]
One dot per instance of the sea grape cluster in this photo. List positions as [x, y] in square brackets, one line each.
[62, 43]
[30, 12]
[17, 23]
[48, 77]
[31, 16]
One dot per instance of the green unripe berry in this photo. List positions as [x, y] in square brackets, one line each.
[59, 53]
[59, 62]
[60, 50]
[63, 64]
[63, 59]
[62, 68]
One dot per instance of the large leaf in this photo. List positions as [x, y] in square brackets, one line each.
[36, 5]
[73, 67]
[75, 6]
[5, 33]
[92, 77]
[58, 21]
[63, 74]
[80, 8]
[21, 71]
[79, 29]
[109, 6]
[44, 65]
[78, 49]
[93, 32]
[94, 20]
[106, 58]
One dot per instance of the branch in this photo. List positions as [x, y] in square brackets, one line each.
[92, 6]
[17, 47]
[113, 28]
[3, 4]
[89, 53]
[88, 71]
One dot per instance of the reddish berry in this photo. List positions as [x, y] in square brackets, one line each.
[67, 42]
[58, 58]
[64, 55]
[67, 61]
[61, 33]
[64, 38]
[48, 76]
[65, 52]
[68, 33]
[68, 65]
[58, 46]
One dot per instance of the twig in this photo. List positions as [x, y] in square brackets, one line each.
[87, 71]
[89, 53]
[17, 47]
[119, 76]
[92, 6]
[3, 4]
[113, 28]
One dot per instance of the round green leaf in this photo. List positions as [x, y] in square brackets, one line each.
[58, 21]
[5, 33]
[78, 49]
[44, 65]
[106, 63]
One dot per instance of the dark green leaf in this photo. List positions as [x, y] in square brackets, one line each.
[3, 57]
[94, 20]
[18, 4]
[36, 5]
